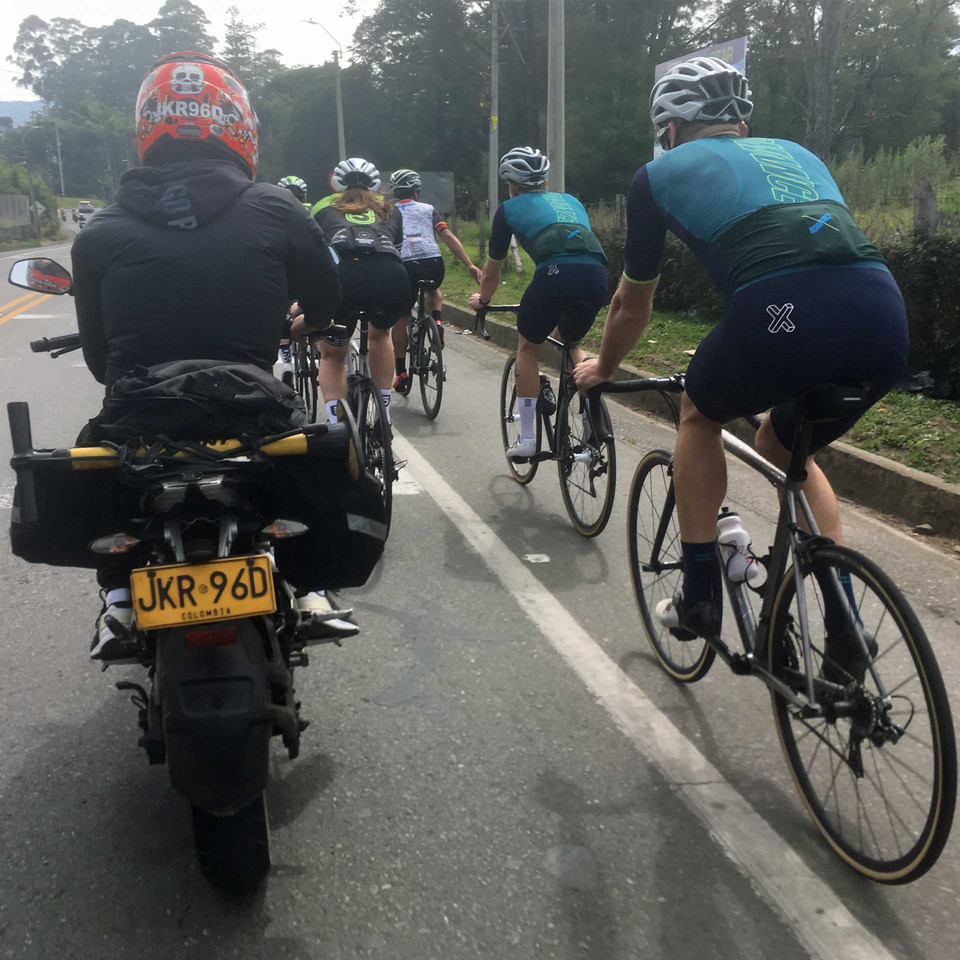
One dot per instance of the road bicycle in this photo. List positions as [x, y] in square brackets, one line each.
[586, 456]
[872, 752]
[425, 354]
[366, 403]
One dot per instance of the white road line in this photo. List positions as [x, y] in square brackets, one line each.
[406, 485]
[41, 251]
[39, 316]
[825, 927]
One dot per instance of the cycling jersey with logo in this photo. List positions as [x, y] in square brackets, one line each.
[551, 227]
[747, 207]
[419, 222]
[358, 232]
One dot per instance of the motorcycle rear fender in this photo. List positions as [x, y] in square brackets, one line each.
[217, 715]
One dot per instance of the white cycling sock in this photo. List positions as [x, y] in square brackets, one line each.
[386, 402]
[332, 410]
[119, 595]
[528, 416]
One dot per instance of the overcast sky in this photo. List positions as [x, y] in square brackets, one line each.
[299, 43]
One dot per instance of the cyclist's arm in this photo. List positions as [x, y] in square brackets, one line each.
[490, 279]
[500, 234]
[456, 247]
[311, 272]
[86, 293]
[632, 304]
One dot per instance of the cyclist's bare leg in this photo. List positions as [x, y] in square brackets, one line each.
[433, 300]
[528, 368]
[577, 353]
[401, 338]
[332, 375]
[381, 356]
[700, 474]
[816, 488]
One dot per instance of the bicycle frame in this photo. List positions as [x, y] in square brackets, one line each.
[788, 546]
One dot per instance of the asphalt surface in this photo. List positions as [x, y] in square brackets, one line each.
[461, 791]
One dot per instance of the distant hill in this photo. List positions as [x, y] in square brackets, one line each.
[20, 110]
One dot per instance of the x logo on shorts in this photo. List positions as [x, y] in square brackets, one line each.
[781, 318]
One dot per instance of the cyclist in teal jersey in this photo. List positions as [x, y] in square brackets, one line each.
[811, 302]
[554, 229]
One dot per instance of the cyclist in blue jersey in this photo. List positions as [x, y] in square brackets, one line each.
[811, 302]
[555, 231]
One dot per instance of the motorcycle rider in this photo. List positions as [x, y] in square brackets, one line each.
[193, 261]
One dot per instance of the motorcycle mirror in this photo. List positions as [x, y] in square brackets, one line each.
[41, 274]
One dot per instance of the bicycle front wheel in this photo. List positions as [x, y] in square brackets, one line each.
[656, 565]
[587, 466]
[430, 368]
[305, 377]
[510, 422]
[880, 780]
[375, 436]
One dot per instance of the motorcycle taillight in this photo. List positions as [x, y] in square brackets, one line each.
[220, 637]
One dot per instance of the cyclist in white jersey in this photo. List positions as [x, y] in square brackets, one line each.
[421, 258]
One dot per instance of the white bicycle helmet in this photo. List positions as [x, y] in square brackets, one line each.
[525, 166]
[704, 89]
[355, 172]
[405, 179]
[296, 186]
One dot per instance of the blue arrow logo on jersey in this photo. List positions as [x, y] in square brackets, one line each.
[575, 232]
[822, 222]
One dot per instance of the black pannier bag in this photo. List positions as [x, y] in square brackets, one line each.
[196, 400]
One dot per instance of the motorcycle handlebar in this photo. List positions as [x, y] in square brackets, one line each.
[68, 342]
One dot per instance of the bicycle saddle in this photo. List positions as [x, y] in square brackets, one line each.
[427, 284]
[830, 401]
[576, 309]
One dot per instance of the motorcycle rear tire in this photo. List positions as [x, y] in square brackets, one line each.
[234, 851]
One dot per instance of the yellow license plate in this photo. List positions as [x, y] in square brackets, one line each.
[181, 594]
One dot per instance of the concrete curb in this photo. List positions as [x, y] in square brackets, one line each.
[866, 478]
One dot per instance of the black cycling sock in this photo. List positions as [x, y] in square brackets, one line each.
[834, 607]
[401, 365]
[699, 565]
[437, 315]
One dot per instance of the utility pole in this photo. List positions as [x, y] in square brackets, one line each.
[341, 143]
[556, 133]
[337, 56]
[493, 149]
[56, 133]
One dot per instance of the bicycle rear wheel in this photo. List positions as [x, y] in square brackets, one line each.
[653, 545]
[305, 377]
[430, 368]
[586, 466]
[881, 783]
[510, 422]
[375, 439]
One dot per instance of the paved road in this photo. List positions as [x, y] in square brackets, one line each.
[495, 768]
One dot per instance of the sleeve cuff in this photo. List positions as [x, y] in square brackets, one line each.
[639, 282]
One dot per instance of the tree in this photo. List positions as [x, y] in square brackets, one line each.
[181, 25]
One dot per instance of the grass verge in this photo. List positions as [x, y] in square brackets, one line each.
[908, 428]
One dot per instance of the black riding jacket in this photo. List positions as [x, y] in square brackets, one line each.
[194, 261]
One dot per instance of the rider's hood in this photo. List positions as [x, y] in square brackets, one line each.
[185, 195]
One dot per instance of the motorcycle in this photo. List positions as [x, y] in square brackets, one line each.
[213, 529]
[81, 220]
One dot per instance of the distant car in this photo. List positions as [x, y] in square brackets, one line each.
[85, 206]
